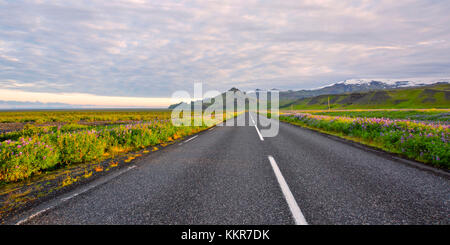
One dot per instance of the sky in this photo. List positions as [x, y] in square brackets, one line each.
[124, 53]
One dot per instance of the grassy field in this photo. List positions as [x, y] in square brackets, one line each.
[392, 131]
[441, 115]
[74, 116]
[434, 96]
[37, 148]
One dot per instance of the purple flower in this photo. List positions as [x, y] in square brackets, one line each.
[19, 146]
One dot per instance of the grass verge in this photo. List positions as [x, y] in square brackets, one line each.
[420, 142]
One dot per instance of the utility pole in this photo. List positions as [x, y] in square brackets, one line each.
[329, 108]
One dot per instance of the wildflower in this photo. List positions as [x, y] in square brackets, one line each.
[19, 146]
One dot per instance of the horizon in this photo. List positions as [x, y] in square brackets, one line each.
[36, 105]
[129, 54]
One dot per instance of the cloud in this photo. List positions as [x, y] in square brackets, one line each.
[13, 84]
[149, 49]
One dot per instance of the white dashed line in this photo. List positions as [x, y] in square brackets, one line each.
[256, 127]
[190, 139]
[70, 197]
[33, 215]
[293, 206]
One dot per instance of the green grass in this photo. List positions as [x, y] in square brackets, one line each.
[73, 116]
[35, 149]
[29, 155]
[421, 141]
[420, 115]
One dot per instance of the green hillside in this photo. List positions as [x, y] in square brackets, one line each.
[433, 96]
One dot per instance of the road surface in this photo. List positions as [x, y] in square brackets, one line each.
[229, 175]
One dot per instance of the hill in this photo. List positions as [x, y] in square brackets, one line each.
[355, 85]
[236, 95]
[430, 96]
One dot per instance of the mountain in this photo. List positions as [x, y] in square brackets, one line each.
[237, 95]
[426, 96]
[355, 85]
[13, 105]
[391, 83]
[290, 97]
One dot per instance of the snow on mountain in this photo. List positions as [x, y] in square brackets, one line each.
[360, 85]
[409, 82]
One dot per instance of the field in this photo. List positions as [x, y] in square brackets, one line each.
[393, 131]
[43, 116]
[436, 115]
[41, 146]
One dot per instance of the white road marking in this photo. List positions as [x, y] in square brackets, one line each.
[293, 206]
[260, 136]
[72, 196]
[257, 130]
[190, 139]
[211, 129]
[34, 215]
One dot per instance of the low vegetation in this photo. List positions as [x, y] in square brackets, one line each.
[74, 116]
[35, 149]
[423, 141]
[26, 156]
[432, 115]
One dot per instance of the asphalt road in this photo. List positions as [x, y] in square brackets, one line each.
[224, 176]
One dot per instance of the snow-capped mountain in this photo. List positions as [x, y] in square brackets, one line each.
[359, 85]
[393, 83]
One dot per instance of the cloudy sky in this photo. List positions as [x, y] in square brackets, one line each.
[91, 51]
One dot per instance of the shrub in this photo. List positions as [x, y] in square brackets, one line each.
[22, 158]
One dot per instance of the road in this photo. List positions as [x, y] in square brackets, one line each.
[228, 175]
